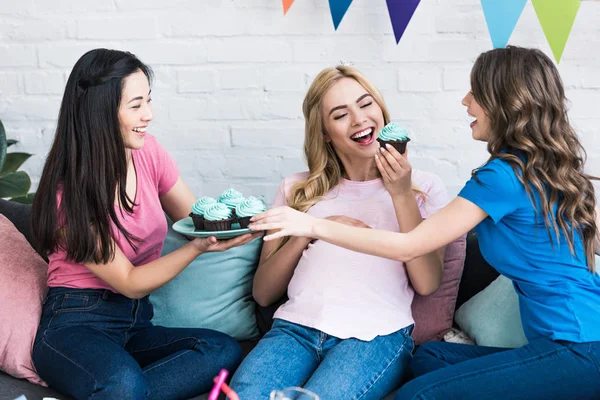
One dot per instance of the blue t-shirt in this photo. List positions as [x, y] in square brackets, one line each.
[559, 298]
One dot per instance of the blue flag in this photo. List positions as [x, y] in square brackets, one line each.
[502, 17]
[338, 10]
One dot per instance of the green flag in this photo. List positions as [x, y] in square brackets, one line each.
[557, 18]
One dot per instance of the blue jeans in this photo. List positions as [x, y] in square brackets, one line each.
[295, 355]
[96, 344]
[543, 369]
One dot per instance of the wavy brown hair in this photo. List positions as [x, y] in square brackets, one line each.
[523, 97]
[325, 168]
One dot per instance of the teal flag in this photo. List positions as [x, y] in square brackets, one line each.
[502, 17]
[338, 9]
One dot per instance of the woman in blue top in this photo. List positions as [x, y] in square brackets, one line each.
[533, 209]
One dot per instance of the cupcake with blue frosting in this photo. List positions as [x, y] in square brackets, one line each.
[395, 135]
[218, 217]
[198, 208]
[249, 208]
[231, 198]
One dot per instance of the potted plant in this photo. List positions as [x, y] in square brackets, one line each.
[14, 184]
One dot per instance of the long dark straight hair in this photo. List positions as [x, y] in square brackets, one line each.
[87, 162]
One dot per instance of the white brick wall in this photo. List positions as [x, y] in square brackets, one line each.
[231, 76]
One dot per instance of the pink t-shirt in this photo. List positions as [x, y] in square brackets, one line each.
[348, 294]
[156, 173]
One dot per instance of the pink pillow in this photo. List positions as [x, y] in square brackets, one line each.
[22, 289]
[434, 314]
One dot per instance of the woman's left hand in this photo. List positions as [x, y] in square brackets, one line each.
[285, 220]
[395, 171]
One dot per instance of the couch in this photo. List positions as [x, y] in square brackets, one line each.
[477, 275]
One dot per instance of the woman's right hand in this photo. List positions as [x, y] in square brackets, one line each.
[211, 244]
[342, 219]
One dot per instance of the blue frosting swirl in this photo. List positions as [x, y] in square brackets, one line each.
[392, 132]
[249, 207]
[231, 198]
[217, 212]
[203, 202]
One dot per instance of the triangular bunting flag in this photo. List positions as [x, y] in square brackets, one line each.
[502, 17]
[338, 10]
[401, 12]
[286, 5]
[557, 18]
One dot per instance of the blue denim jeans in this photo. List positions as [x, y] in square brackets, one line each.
[295, 355]
[96, 344]
[543, 369]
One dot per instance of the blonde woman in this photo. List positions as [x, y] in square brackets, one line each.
[533, 208]
[345, 331]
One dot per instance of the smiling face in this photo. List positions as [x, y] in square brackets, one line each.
[481, 125]
[135, 110]
[352, 120]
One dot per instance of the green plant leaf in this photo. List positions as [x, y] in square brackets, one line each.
[10, 142]
[27, 199]
[13, 161]
[14, 184]
[3, 145]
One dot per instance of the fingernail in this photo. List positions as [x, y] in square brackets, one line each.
[382, 149]
[389, 146]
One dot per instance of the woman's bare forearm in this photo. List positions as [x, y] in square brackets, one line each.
[426, 271]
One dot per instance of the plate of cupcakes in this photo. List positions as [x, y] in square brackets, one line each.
[226, 217]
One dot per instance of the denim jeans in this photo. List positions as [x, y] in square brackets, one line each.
[96, 344]
[543, 369]
[295, 355]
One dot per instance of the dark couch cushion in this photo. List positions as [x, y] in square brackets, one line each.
[477, 273]
[18, 214]
[11, 388]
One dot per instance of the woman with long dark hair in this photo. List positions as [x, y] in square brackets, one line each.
[99, 216]
[533, 208]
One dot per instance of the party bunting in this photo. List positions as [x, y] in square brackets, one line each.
[502, 17]
[286, 5]
[338, 9]
[557, 18]
[401, 12]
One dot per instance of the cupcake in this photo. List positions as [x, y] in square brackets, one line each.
[231, 198]
[218, 217]
[197, 213]
[395, 135]
[247, 209]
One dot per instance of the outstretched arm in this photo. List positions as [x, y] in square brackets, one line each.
[445, 226]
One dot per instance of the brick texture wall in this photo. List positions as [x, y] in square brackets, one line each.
[231, 76]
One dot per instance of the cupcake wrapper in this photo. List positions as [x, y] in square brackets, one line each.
[222, 225]
[244, 222]
[399, 145]
[198, 221]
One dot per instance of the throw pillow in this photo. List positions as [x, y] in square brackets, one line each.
[22, 290]
[492, 316]
[213, 292]
[434, 314]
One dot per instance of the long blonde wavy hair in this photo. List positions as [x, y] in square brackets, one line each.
[325, 168]
[523, 97]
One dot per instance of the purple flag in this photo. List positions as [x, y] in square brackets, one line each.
[401, 11]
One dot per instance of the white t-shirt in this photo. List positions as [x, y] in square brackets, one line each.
[348, 294]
